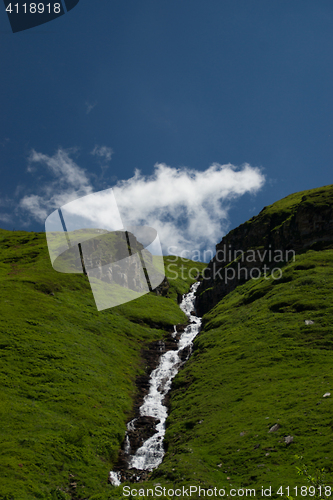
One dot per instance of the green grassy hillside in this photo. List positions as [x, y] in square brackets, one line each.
[257, 363]
[247, 402]
[67, 372]
[317, 199]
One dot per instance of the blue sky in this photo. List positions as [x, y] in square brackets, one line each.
[113, 87]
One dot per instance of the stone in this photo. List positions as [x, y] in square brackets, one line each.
[288, 439]
[185, 353]
[274, 428]
[181, 327]
[163, 288]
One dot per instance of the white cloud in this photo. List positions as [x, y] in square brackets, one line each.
[188, 208]
[70, 182]
[102, 152]
[34, 205]
[5, 218]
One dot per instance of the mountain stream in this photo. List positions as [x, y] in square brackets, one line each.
[150, 454]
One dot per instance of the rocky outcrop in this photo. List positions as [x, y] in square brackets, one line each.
[163, 288]
[266, 242]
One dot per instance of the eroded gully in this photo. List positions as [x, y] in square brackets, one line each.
[150, 454]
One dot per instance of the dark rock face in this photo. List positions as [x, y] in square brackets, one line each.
[163, 288]
[151, 355]
[145, 427]
[266, 242]
[185, 353]
[133, 475]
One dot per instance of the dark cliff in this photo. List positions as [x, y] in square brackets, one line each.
[262, 245]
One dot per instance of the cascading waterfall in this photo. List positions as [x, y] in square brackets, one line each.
[150, 454]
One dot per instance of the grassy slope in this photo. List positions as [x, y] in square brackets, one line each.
[282, 210]
[67, 373]
[317, 198]
[256, 363]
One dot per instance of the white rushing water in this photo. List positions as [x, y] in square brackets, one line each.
[151, 453]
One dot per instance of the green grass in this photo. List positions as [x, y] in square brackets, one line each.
[255, 364]
[316, 199]
[181, 273]
[67, 373]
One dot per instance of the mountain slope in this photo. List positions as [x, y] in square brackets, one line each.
[299, 222]
[67, 372]
[256, 363]
[254, 393]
